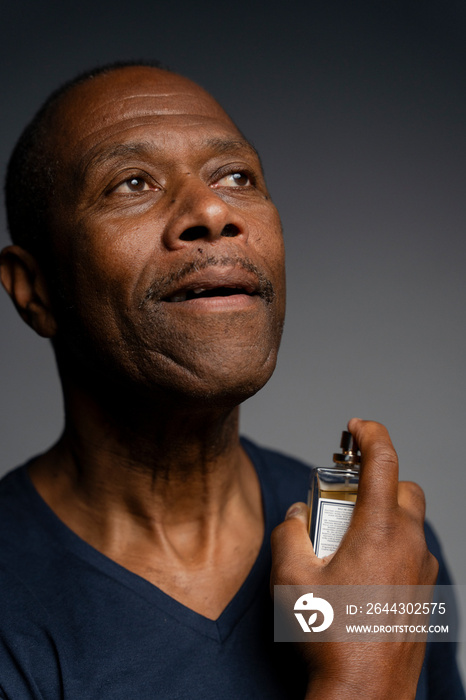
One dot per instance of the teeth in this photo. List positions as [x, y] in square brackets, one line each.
[179, 297]
[220, 291]
[182, 296]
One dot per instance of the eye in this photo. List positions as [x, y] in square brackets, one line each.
[239, 179]
[134, 185]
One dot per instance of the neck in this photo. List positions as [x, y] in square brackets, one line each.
[169, 494]
[161, 458]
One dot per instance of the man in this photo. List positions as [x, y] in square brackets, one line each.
[135, 555]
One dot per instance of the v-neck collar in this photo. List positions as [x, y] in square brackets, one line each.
[62, 537]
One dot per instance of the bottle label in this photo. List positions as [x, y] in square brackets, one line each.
[332, 520]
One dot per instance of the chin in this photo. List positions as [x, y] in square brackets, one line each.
[224, 384]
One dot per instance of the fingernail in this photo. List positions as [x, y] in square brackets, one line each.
[355, 418]
[292, 512]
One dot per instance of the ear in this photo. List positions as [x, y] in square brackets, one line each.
[25, 283]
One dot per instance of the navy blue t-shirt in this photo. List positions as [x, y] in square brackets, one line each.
[75, 625]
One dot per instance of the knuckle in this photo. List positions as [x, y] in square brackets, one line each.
[385, 530]
[376, 424]
[384, 454]
[396, 525]
[414, 491]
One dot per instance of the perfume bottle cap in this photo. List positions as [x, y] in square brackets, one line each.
[350, 451]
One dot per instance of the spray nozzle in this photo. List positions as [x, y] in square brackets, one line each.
[350, 452]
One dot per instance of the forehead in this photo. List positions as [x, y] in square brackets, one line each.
[112, 106]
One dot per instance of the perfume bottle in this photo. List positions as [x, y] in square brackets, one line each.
[332, 495]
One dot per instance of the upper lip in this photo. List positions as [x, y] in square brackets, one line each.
[215, 278]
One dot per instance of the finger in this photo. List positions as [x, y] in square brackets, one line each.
[298, 511]
[378, 482]
[291, 545]
[411, 498]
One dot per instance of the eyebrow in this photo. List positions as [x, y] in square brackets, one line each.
[148, 149]
[225, 145]
[234, 145]
[114, 152]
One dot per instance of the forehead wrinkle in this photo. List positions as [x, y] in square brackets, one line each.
[186, 96]
[114, 152]
[182, 93]
[141, 119]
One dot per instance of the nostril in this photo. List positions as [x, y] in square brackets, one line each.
[229, 231]
[194, 232]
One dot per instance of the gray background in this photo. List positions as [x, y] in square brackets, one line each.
[359, 111]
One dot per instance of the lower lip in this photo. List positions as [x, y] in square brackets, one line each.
[235, 302]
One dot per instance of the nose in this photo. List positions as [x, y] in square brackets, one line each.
[199, 212]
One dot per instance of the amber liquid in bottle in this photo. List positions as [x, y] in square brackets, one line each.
[332, 495]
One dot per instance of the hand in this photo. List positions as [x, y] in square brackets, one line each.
[384, 545]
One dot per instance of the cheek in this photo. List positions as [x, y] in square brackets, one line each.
[106, 258]
[272, 249]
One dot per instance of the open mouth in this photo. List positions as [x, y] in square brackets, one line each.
[201, 293]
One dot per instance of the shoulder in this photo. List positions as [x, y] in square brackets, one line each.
[26, 530]
[29, 657]
[14, 507]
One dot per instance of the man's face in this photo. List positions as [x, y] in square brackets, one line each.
[169, 249]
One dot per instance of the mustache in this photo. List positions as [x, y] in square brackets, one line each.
[163, 286]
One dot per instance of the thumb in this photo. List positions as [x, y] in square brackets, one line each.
[300, 512]
[291, 546]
